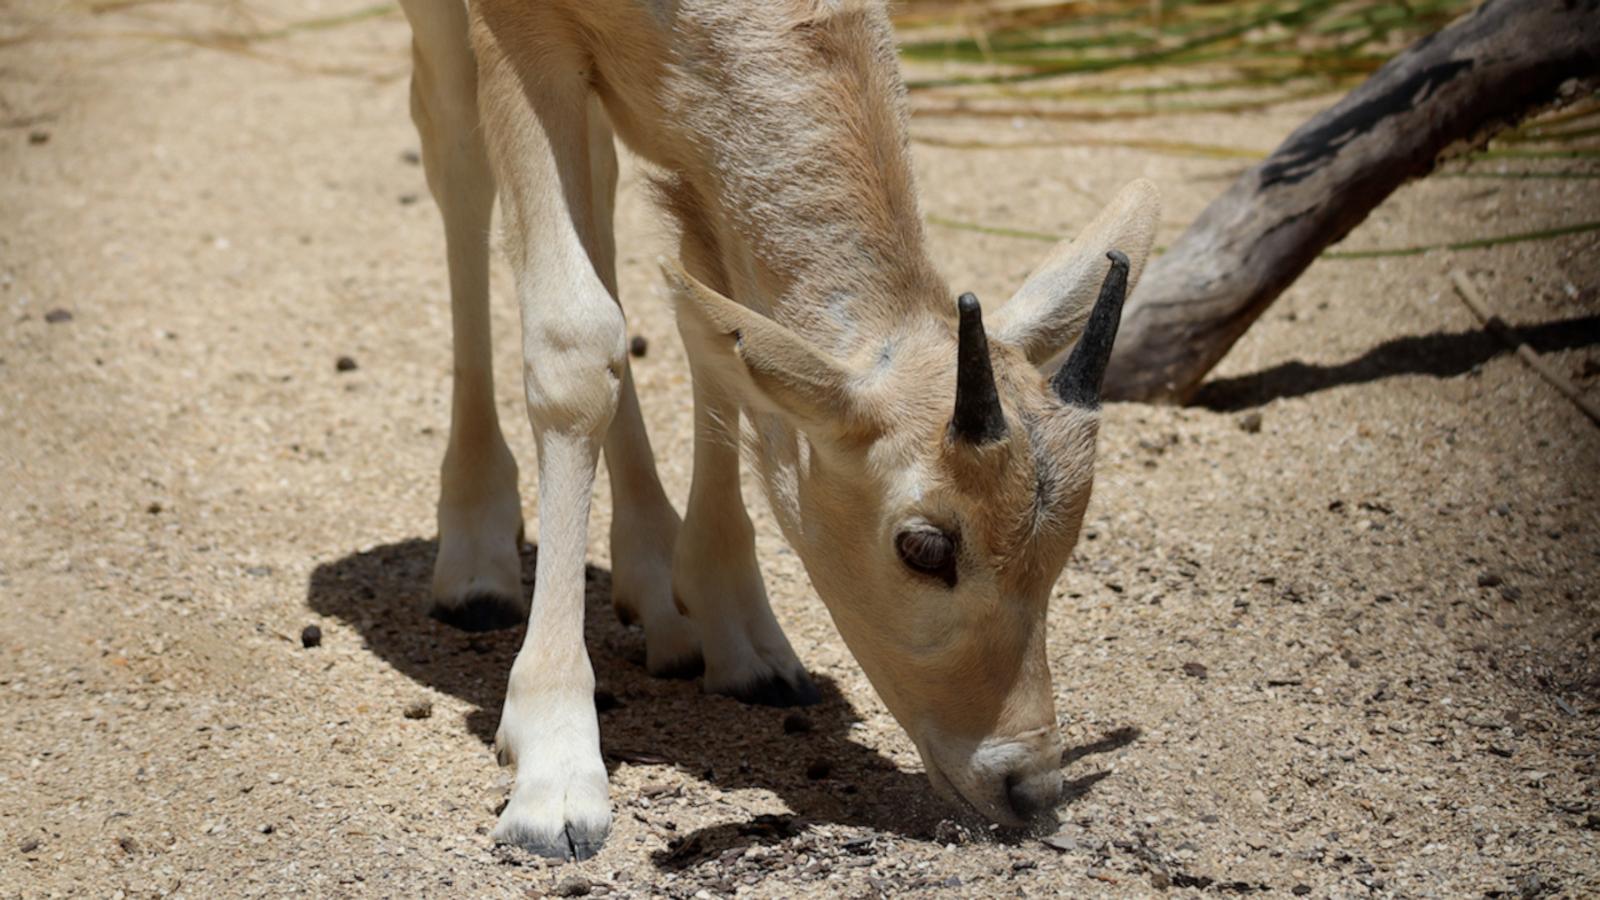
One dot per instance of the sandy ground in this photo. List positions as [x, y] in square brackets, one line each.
[1350, 653]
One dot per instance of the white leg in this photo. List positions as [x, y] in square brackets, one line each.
[477, 581]
[714, 570]
[644, 526]
[535, 119]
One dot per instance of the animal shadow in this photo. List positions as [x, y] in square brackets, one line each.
[806, 756]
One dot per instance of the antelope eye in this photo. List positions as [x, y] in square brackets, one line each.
[928, 552]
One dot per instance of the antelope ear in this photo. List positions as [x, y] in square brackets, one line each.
[771, 367]
[1048, 312]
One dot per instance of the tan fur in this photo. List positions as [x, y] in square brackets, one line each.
[811, 310]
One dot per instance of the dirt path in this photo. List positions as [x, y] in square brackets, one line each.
[1351, 650]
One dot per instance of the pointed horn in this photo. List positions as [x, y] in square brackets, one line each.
[978, 419]
[1078, 382]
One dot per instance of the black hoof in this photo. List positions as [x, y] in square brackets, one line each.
[779, 691]
[575, 843]
[585, 842]
[683, 668]
[481, 612]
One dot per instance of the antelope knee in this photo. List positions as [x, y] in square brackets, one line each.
[574, 350]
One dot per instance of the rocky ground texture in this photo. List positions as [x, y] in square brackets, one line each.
[1331, 632]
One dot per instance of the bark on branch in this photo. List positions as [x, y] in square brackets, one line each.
[1485, 71]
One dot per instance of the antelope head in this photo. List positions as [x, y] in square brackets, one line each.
[939, 490]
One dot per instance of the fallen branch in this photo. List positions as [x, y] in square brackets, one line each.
[1486, 71]
[1497, 326]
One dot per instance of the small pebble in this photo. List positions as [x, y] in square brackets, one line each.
[797, 723]
[345, 364]
[418, 709]
[267, 828]
[310, 636]
[576, 886]
[410, 157]
[29, 845]
[128, 844]
[153, 509]
[407, 199]
[58, 315]
[1196, 670]
[39, 136]
[819, 769]
[1300, 890]
[1060, 841]
[1489, 579]
[638, 346]
[1510, 593]
[1250, 423]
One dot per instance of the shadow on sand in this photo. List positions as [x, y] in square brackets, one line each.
[1440, 355]
[822, 773]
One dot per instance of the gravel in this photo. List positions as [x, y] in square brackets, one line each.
[797, 723]
[149, 687]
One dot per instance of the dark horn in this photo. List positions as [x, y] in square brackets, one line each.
[978, 419]
[1078, 382]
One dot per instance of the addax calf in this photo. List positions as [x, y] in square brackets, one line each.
[929, 476]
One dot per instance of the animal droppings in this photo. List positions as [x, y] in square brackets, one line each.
[638, 346]
[58, 315]
[573, 887]
[345, 364]
[796, 723]
[310, 636]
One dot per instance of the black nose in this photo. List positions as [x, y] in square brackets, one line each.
[1035, 794]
